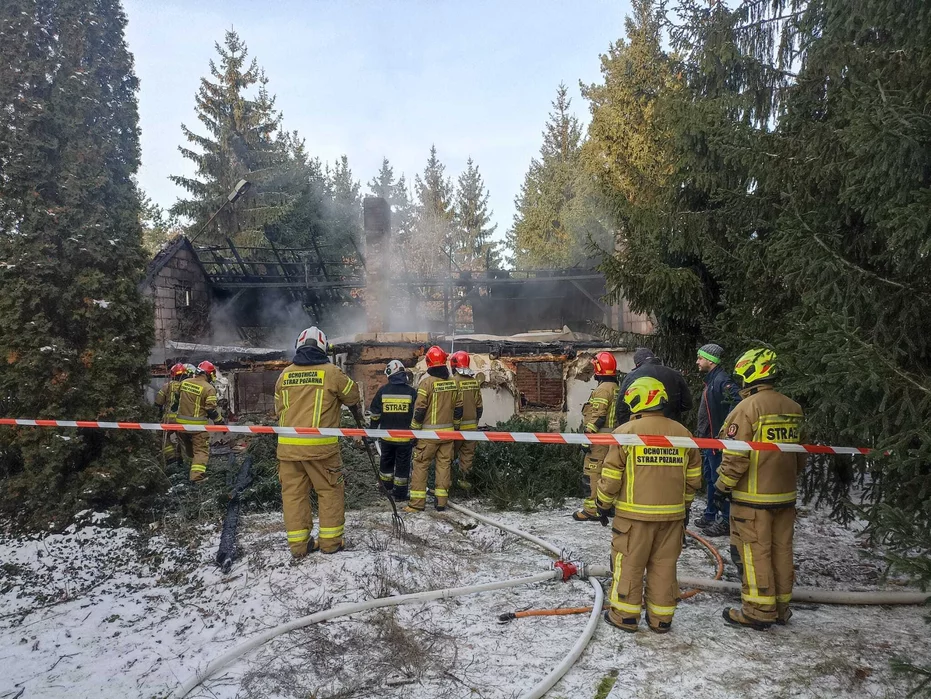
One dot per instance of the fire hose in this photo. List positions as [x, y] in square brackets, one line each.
[800, 594]
[567, 611]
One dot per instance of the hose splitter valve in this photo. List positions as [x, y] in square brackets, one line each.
[569, 568]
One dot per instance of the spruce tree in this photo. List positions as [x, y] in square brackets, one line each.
[539, 237]
[855, 177]
[346, 205]
[75, 333]
[395, 192]
[427, 250]
[473, 247]
[243, 141]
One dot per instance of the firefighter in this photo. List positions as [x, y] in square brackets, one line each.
[310, 393]
[198, 403]
[392, 408]
[470, 390]
[761, 486]
[598, 415]
[650, 488]
[438, 407]
[167, 403]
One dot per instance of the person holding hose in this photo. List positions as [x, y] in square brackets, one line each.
[197, 402]
[761, 486]
[438, 407]
[650, 490]
[311, 393]
[598, 415]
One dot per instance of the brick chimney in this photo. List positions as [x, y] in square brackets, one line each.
[377, 226]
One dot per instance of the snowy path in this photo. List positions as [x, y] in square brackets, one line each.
[144, 614]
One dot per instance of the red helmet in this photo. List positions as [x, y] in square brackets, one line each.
[177, 371]
[605, 364]
[459, 360]
[207, 368]
[436, 357]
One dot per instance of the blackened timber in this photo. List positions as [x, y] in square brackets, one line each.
[358, 283]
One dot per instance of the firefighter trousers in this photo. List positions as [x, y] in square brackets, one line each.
[465, 452]
[394, 468]
[424, 453]
[638, 547]
[761, 548]
[196, 447]
[591, 467]
[323, 474]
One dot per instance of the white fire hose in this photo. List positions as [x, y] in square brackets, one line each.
[880, 597]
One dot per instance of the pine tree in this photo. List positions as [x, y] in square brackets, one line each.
[158, 226]
[539, 237]
[383, 184]
[346, 207]
[243, 141]
[473, 247]
[75, 332]
[426, 252]
[395, 192]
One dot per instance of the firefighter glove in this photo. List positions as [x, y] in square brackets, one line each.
[720, 497]
[605, 514]
[688, 516]
[586, 448]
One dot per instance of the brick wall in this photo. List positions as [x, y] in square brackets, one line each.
[182, 299]
[541, 385]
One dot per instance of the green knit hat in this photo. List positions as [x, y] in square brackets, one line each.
[711, 352]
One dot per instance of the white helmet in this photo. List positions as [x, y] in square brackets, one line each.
[312, 336]
[394, 367]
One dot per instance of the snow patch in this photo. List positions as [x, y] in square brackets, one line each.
[116, 612]
[101, 303]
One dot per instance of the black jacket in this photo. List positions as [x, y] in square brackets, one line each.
[393, 406]
[680, 399]
[718, 398]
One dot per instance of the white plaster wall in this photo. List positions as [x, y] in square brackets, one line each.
[498, 405]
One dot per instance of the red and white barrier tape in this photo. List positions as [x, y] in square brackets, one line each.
[469, 436]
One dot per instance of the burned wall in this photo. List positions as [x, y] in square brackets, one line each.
[181, 296]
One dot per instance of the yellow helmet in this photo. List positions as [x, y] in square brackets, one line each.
[756, 365]
[646, 393]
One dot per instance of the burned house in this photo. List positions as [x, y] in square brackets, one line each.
[529, 331]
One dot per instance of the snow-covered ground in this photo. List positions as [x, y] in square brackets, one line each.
[112, 612]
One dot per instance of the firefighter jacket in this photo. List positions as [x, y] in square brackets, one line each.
[167, 400]
[197, 402]
[650, 483]
[599, 413]
[470, 390]
[439, 403]
[393, 407]
[311, 395]
[762, 479]
[680, 398]
[718, 398]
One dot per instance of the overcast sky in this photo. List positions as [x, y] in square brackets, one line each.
[379, 79]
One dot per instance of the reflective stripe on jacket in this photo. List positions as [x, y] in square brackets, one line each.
[762, 479]
[470, 391]
[437, 403]
[650, 483]
[168, 397]
[310, 396]
[599, 414]
[197, 399]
